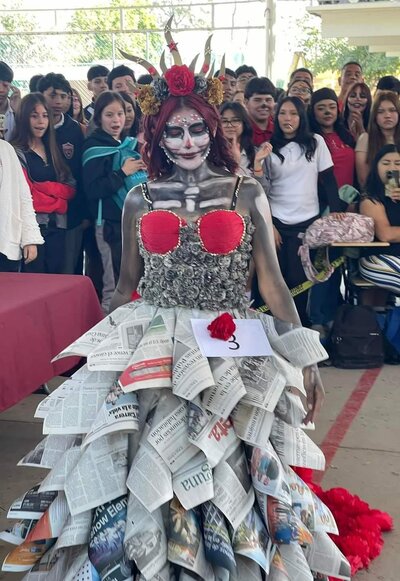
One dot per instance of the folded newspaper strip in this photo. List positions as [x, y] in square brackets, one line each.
[324, 556]
[251, 540]
[83, 346]
[227, 388]
[149, 478]
[106, 542]
[76, 531]
[217, 544]
[57, 478]
[72, 385]
[52, 522]
[185, 541]
[86, 487]
[295, 563]
[57, 565]
[294, 447]
[18, 532]
[168, 432]
[48, 451]
[193, 483]
[191, 374]
[119, 413]
[76, 412]
[234, 494]
[268, 475]
[31, 505]
[25, 555]
[145, 539]
[208, 432]
[156, 372]
[278, 570]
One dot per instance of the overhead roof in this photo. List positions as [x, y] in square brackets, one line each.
[375, 24]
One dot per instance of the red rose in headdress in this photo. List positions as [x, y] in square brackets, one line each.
[180, 80]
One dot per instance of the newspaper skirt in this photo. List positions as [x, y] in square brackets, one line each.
[169, 465]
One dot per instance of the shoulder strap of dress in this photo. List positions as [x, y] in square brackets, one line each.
[146, 195]
[236, 192]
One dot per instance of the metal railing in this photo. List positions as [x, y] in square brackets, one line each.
[38, 40]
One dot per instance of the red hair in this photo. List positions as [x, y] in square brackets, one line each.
[154, 125]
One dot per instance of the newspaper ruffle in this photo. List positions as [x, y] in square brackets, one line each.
[166, 464]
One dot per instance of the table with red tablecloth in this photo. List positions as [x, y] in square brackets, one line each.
[40, 315]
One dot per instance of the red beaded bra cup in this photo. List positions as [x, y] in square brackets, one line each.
[219, 231]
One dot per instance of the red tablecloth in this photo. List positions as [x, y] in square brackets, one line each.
[40, 315]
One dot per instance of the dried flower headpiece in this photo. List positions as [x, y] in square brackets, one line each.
[179, 80]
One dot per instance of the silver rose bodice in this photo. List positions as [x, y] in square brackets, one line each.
[189, 276]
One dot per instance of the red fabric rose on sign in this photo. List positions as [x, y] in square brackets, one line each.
[222, 327]
[180, 80]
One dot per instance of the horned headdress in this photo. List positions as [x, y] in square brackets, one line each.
[179, 80]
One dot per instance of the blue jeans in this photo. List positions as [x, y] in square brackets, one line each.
[325, 297]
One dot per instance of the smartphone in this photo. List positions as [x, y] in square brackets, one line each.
[2, 122]
[393, 178]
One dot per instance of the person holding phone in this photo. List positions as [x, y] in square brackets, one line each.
[381, 203]
[10, 98]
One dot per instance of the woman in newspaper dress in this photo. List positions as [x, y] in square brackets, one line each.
[170, 449]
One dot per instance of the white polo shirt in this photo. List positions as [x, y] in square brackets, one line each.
[293, 194]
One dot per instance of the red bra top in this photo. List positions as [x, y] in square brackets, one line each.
[219, 231]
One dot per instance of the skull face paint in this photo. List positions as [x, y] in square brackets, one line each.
[186, 139]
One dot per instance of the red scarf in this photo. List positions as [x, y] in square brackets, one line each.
[49, 197]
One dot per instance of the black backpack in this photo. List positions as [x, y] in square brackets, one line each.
[356, 339]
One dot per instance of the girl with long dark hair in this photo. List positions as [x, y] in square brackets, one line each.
[381, 202]
[301, 184]
[49, 179]
[357, 108]
[131, 127]
[77, 108]
[110, 169]
[325, 121]
[383, 128]
[237, 129]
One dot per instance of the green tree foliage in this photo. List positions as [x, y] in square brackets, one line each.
[17, 48]
[90, 48]
[331, 54]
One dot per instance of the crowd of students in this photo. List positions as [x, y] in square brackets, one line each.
[327, 153]
[311, 150]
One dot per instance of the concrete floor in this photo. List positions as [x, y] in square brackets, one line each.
[366, 459]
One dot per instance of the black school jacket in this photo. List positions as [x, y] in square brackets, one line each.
[100, 181]
[69, 139]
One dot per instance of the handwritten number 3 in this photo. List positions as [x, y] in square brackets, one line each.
[235, 343]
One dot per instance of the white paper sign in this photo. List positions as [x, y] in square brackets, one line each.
[249, 339]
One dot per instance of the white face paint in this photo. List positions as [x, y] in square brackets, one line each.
[186, 139]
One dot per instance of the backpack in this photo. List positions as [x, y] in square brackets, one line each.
[356, 339]
[324, 231]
